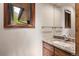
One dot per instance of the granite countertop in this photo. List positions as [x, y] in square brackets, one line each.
[64, 45]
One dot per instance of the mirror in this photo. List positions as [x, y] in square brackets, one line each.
[20, 14]
[67, 19]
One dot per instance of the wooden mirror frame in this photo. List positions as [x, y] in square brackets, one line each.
[7, 18]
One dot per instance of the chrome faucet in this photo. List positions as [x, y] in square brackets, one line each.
[65, 37]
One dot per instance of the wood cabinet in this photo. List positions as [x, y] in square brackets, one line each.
[59, 52]
[49, 50]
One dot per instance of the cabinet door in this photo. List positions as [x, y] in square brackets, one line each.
[48, 50]
[59, 52]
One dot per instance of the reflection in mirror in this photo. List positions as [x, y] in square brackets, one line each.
[67, 19]
[19, 14]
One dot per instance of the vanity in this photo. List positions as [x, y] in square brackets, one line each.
[58, 47]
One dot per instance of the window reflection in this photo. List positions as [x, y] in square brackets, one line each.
[19, 13]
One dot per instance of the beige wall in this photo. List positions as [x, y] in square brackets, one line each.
[46, 15]
[20, 41]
